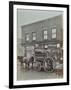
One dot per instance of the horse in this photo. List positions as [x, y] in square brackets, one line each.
[20, 58]
[27, 61]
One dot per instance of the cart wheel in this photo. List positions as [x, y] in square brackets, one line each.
[48, 65]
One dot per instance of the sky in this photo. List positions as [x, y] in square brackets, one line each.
[25, 16]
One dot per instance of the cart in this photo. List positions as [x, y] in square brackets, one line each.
[43, 61]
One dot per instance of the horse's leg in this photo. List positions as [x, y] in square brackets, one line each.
[32, 64]
[27, 65]
[24, 65]
[21, 63]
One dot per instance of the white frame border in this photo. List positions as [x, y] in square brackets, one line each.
[27, 82]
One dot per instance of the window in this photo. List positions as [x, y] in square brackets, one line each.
[29, 51]
[27, 37]
[45, 34]
[34, 36]
[54, 33]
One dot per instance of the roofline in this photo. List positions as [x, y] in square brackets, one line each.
[39, 21]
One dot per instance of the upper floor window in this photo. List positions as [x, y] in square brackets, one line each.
[45, 34]
[53, 32]
[34, 35]
[27, 37]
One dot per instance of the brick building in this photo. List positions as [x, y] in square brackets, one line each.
[42, 34]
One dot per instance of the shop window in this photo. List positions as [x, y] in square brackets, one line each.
[46, 46]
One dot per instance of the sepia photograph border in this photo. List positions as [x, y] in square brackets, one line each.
[11, 44]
